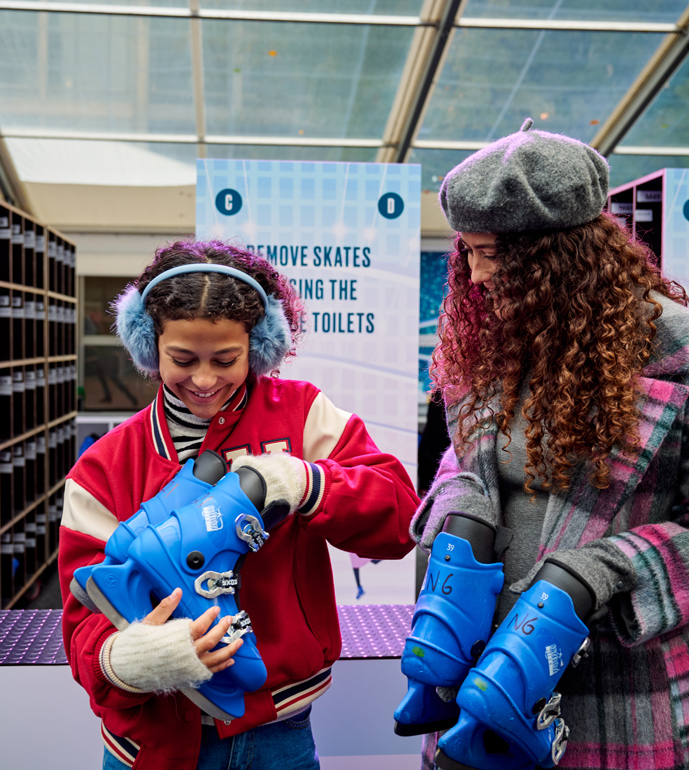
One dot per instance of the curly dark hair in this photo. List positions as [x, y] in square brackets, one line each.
[571, 310]
[214, 295]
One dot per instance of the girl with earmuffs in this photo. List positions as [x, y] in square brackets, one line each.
[212, 322]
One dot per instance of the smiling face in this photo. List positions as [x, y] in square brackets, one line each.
[203, 362]
[481, 253]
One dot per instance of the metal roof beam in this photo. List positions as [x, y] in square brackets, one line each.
[641, 150]
[197, 78]
[211, 13]
[567, 25]
[658, 70]
[424, 63]
[261, 141]
[10, 185]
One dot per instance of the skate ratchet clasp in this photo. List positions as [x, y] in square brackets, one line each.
[249, 530]
[550, 712]
[241, 624]
[582, 652]
[560, 741]
[219, 583]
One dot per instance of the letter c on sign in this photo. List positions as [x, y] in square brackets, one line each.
[228, 202]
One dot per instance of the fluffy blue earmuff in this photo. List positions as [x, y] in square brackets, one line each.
[269, 341]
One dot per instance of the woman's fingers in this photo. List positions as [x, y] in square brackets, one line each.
[220, 659]
[205, 638]
[164, 610]
[203, 622]
[209, 639]
[205, 641]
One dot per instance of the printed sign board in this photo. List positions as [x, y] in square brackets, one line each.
[348, 237]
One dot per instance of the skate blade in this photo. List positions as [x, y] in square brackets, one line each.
[99, 599]
[405, 730]
[208, 706]
[82, 596]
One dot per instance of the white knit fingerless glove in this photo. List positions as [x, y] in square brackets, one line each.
[159, 659]
[289, 480]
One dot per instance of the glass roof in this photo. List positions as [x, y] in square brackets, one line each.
[130, 92]
[306, 80]
[566, 81]
[665, 123]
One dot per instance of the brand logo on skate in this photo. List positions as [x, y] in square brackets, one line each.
[212, 517]
[554, 658]
[418, 651]
[481, 684]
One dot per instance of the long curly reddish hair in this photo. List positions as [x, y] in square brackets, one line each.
[572, 310]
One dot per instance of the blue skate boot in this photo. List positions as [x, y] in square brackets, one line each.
[200, 547]
[451, 624]
[510, 712]
[195, 478]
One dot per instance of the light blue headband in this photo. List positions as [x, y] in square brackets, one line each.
[270, 339]
[206, 268]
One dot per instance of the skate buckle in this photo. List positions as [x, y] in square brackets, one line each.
[582, 652]
[218, 583]
[560, 741]
[241, 624]
[249, 530]
[550, 712]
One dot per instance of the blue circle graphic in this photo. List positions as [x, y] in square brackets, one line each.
[390, 205]
[685, 210]
[228, 202]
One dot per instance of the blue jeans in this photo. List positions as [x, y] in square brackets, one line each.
[286, 745]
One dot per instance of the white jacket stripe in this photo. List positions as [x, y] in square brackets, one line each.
[83, 513]
[323, 428]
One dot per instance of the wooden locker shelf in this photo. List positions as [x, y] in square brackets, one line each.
[37, 395]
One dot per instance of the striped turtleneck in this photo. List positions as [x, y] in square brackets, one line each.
[186, 429]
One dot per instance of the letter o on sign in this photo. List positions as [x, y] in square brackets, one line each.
[228, 202]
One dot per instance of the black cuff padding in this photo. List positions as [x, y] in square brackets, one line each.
[210, 467]
[563, 577]
[479, 533]
[621, 605]
[503, 540]
[276, 512]
[253, 485]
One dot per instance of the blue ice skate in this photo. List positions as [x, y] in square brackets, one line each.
[510, 713]
[451, 623]
[200, 548]
[195, 478]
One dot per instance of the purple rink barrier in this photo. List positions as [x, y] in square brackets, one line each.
[352, 722]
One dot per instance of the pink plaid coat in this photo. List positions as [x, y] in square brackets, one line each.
[628, 704]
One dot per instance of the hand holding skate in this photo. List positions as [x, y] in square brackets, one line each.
[509, 710]
[159, 655]
[200, 548]
[451, 624]
[287, 479]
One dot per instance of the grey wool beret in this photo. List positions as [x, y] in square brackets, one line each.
[531, 180]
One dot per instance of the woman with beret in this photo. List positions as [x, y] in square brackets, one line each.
[564, 365]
